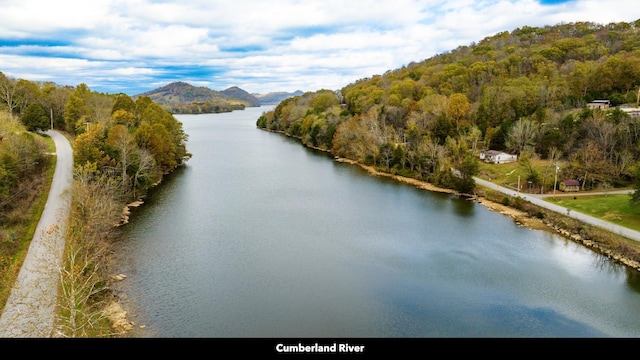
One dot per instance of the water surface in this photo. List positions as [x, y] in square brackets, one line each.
[259, 236]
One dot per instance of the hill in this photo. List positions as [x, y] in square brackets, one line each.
[526, 92]
[235, 92]
[183, 98]
[273, 98]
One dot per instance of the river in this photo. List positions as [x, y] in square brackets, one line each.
[258, 236]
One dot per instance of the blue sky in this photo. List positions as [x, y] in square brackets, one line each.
[133, 46]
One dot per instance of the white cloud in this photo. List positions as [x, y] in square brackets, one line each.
[129, 45]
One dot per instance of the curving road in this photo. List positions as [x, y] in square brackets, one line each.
[538, 200]
[30, 309]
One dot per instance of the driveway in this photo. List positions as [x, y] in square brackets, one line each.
[30, 309]
[538, 199]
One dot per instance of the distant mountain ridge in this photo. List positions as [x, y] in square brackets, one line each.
[273, 98]
[235, 92]
[183, 98]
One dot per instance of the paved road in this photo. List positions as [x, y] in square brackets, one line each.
[30, 309]
[538, 199]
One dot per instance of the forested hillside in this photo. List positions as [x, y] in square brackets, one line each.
[183, 98]
[121, 147]
[136, 141]
[524, 92]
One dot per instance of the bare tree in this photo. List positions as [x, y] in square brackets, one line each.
[521, 135]
[145, 165]
[84, 278]
[8, 88]
[121, 139]
[604, 133]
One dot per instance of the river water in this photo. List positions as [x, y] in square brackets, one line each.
[258, 236]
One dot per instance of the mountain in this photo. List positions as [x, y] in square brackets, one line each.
[273, 98]
[237, 93]
[183, 98]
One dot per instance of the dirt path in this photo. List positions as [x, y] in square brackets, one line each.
[30, 309]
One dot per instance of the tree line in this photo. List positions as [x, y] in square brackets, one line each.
[121, 146]
[523, 92]
[136, 141]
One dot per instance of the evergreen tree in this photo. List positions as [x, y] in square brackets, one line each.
[35, 118]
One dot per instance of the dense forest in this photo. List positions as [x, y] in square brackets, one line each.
[136, 141]
[524, 92]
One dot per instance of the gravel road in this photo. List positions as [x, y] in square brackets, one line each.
[30, 309]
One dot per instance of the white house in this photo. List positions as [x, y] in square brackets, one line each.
[599, 104]
[497, 157]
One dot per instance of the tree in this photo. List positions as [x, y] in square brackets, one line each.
[53, 100]
[8, 88]
[458, 108]
[635, 195]
[123, 117]
[386, 155]
[35, 118]
[87, 147]
[468, 168]
[521, 135]
[125, 144]
[144, 173]
[27, 93]
[124, 102]
[77, 110]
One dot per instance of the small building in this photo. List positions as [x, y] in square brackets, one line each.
[599, 104]
[570, 185]
[632, 111]
[497, 157]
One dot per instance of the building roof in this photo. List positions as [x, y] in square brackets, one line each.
[495, 152]
[571, 182]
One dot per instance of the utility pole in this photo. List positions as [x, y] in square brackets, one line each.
[556, 180]
[51, 118]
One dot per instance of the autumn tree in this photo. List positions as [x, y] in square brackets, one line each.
[458, 108]
[78, 112]
[53, 99]
[124, 144]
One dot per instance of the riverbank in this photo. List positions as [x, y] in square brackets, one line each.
[627, 255]
[519, 216]
[615, 247]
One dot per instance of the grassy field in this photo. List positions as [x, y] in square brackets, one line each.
[615, 208]
[509, 174]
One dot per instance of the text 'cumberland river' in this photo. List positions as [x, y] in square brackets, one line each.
[258, 236]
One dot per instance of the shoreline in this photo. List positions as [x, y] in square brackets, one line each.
[125, 327]
[521, 218]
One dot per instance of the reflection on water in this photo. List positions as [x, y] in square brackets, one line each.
[260, 237]
[633, 278]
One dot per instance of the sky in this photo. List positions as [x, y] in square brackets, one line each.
[133, 46]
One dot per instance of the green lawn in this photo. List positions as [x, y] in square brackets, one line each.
[615, 208]
[509, 174]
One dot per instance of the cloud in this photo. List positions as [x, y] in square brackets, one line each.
[136, 45]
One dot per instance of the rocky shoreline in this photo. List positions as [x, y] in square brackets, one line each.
[122, 325]
[520, 217]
